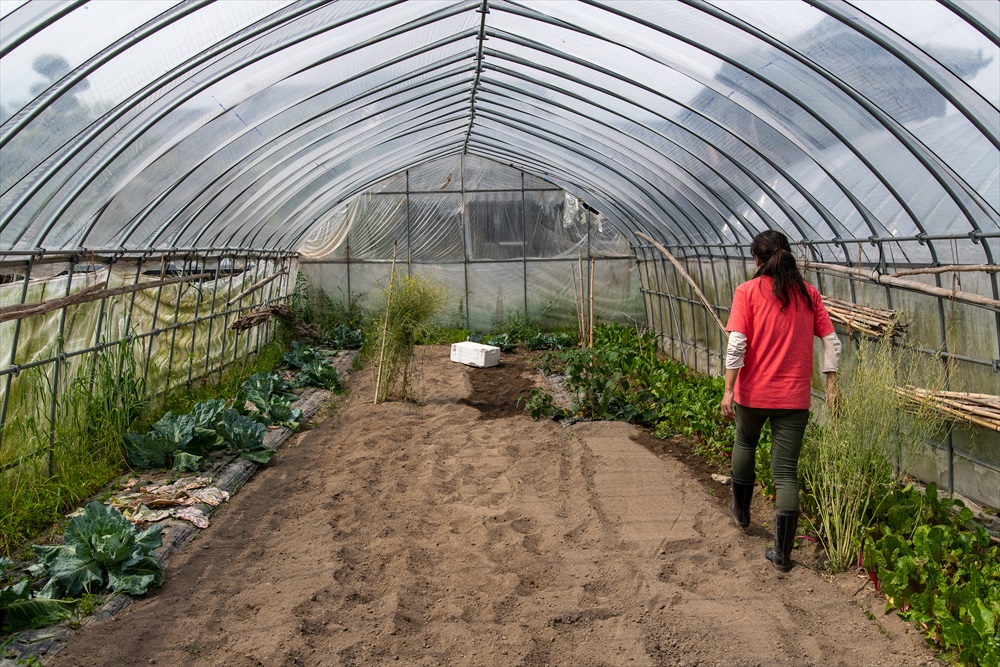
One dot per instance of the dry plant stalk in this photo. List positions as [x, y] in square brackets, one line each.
[864, 319]
[385, 329]
[980, 409]
[852, 462]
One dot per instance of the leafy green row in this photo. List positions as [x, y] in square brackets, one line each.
[182, 441]
[622, 378]
[101, 550]
[940, 571]
[312, 369]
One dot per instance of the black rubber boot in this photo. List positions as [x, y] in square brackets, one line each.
[739, 505]
[785, 524]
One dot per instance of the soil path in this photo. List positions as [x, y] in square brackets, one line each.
[456, 531]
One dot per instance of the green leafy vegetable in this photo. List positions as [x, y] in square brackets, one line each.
[19, 611]
[154, 449]
[503, 341]
[318, 374]
[343, 337]
[271, 396]
[96, 543]
[300, 355]
[204, 418]
[187, 461]
[240, 431]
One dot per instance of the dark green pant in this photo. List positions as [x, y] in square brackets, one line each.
[787, 429]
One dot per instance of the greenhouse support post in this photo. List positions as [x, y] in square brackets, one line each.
[173, 334]
[211, 317]
[55, 375]
[155, 319]
[8, 379]
[194, 332]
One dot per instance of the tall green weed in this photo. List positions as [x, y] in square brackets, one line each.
[93, 413]
[406, 310]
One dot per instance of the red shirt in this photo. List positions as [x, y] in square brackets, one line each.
[777, 370]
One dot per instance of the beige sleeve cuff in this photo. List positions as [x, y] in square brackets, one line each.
[735, 350]
[831, 353]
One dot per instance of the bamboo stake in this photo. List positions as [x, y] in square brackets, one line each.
[988, 417]
[579, 307]
[680, 269]
[256, 286]
[583, 306]
[93, 293]
[956, 268]
[954, 295]
[590, 334]
[385, 329]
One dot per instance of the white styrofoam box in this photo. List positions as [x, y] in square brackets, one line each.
[475, 354]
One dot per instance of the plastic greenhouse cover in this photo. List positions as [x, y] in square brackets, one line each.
[245, 123]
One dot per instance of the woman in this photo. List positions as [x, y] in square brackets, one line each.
[768, 377]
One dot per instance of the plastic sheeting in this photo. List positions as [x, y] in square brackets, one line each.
[189, 322]
[242, 124]
[489, 232]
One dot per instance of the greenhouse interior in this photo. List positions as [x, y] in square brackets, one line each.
[169, 168]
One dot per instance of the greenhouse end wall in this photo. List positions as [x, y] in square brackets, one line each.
[964, 460]
[499, 239]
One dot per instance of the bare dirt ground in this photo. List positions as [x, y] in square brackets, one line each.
[457, 531]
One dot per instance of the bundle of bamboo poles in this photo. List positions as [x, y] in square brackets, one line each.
[865, 319]
[981, 409]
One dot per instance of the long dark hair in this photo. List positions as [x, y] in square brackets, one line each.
[778, 263]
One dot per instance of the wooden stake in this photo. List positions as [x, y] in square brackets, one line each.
[256, 286]
[680, 269]
[92, 293]
[590, 334]
[385, 328]
[879, 279]
[579, 307]
[583, 306]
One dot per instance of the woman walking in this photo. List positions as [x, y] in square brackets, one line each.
[769, 364]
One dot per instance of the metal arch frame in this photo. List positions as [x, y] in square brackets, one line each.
[402, 160]
[265, 224]
[866, 216]
[649, 214]
[224, 73]
[927, 158]
[764, 217]
[301, 153]
[242, 165]
[288, 136]
[292, 236]
[933, 75]
[54, 15]
[739, 192]
[425, 49]
[300, 176]
[299, 165]
[683, 190]
[824, 213]
[862, 210]
[84, 138]
[589, 161]
[961, 12]
[48, 97]
[521, 161]
[731, 61]
[484, 9]
[913, 145]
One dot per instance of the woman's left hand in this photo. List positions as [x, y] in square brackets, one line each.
[727, 405]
